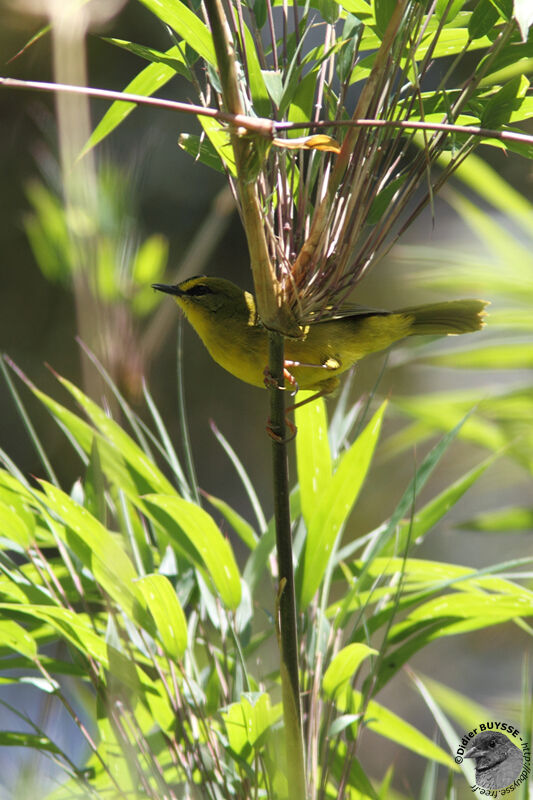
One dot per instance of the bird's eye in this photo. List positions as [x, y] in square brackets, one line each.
[199, 289]
[492, 743]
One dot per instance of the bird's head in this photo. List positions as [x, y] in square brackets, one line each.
[202, 297]
[489, 748]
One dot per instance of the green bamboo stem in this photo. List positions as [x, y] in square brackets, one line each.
[276, 317]
[288, 636]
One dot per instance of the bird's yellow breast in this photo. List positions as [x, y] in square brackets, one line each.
[328, 348]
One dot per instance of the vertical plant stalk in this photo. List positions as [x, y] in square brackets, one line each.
[286, 606]
[274, 314]
[78, 177]
[278, 320]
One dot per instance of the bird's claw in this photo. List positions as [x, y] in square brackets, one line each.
[282, 439]
[271, 382]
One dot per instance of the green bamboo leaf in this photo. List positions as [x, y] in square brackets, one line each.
[394, 660]
[248, 721]
[98, 551]
[29, 741]
[328, 9]
[483, 19]
[418, 588]
[505, 246]
[387, 724]
[523, 107]
[505, 7]
[260, 97]
[163, 605]
[512, 355]
[202, 150]
[440, 414]
[384, 198]
[94, 499]
[460, 707]
[220, 139]
[273, 81]
[447, 730]
[334, 506]
[73, 626]
[238, 523]
[420, 573]
[260, 13]
[384, 10]
[380, 542]
[504, 102]
[357, 778]
[187, 25]
[16, 522]
[150, 260]
[453, 41]
[343, 667]
[488, 183]
[523, 149]
[301, 102]
[42, 684]
[428, 516]
[81, 434]
[214, 551]
[352, 30]
[173, 58]
[17, 638]
[361, 8]
[466, 611]
[148, 81]
[137, 460]
[506, 520]
[451, 11]
[313, 455]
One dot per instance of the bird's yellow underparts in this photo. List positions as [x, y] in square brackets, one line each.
[226, 319]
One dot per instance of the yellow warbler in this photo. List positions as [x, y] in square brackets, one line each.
[225, 318]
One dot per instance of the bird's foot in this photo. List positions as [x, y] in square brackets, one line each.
[271, 382]
[282, 439]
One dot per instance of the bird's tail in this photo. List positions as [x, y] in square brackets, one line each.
[454, 316]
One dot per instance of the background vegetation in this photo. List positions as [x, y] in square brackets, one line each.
[150, 215]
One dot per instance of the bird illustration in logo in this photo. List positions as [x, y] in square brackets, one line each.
[498, 761]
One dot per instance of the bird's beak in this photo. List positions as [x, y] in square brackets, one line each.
[474, 752]
[165, 287]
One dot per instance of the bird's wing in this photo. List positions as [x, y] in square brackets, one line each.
[342, 312]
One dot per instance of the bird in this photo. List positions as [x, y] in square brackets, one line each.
[498, 761]
[226, 319]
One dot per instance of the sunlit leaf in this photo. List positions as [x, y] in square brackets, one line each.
[312, 454]
[146, 83]
[249, 720]
[238, 523]
[513, 355]
[187, 25]
[343, 667]
[15, 637]
[334, 505]
[202, 150]
[505, 520]
[384, 722]
[214, 550]
[98, 551]
[163, 605]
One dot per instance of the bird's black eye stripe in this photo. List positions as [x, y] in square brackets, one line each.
[199, 289]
